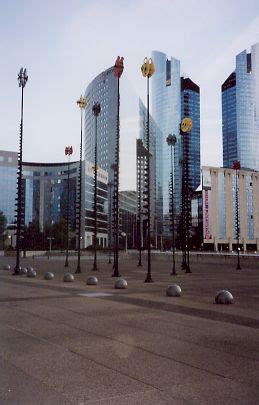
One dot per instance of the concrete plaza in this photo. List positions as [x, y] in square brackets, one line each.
[63, 344]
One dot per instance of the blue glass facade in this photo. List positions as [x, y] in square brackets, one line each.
[240, 103]
[45, 188]
[166, 112]
[229, 120]
[190, 107]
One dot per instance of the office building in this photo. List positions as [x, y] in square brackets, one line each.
[240, 112]
[219, 208]
[190, 107]
[172, 98]
[45, 188]
[102, 89]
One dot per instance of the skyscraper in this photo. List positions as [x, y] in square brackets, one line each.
[102, 89]
[240, 112]
[166, 112]
[190, 107]
[173, 98]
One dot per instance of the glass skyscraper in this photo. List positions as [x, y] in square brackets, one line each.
[166, 112]
[240, 112]
[102, 89]
[173, 98]
[190, 107]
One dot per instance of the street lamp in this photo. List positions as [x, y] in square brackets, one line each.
[82, 103]
[110, 184]
[185, 128]
[148, 70]
[68, 152]
[22, 80]
[171, 141]
[96, 111]
[117, 71]
[236, 167]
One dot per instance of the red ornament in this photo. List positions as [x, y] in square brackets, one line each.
[68, 150]
[118, 67]
[236, 165]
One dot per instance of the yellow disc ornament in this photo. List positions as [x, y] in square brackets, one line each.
[186, 125]
[148, 67]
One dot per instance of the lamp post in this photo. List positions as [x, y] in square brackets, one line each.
[96, 111]
[140, 230]
[117, 71]
[185, 128]
[148, 70]
[171, 141]
[22, 80]
[82, 103]
[236, 167]
[110, 184]
[68, 152]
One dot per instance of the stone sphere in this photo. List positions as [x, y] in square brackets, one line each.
[30, 268]
[173, 290]
[7, 267]
[224, 297]
[31, 272]
[120, 284]
[68, 278]
[24, 270]
[92, 280]
[48, 276]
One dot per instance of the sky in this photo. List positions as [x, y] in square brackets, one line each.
[64, 44]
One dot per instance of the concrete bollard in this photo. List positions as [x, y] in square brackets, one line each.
[92, 280]
[173, 290]
[48, 276]
[121, 284]
[31, 273]
[224, 297]
[68, 278]
[7, 267]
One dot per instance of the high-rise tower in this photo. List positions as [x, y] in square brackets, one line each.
[240, 112]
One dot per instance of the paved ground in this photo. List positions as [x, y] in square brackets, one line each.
[134, 346]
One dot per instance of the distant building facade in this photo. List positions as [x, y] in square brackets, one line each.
[240, 112]
[219, 208]
[128, 217]
[45, 188]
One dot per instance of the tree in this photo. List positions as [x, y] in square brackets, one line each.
[3, 223]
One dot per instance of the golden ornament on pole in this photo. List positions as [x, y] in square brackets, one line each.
[82, 102]
[186, 124]
[148, 68]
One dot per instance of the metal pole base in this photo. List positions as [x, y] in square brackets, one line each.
[139, 264]
[149, 279]
[116, 274]
[78, 270]
[95, 268]
[238, 267]
[173, 273]
[188, 270]
[16, 272]
[66, 264]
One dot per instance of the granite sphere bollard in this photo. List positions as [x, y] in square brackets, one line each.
[92, 280]
[7, 267]
[48, 276]
[31, 272]
[121, 284]
[224, 297]
[68, 278]
[24, 270]
[173, 290]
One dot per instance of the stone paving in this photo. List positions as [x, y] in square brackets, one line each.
[73, 343]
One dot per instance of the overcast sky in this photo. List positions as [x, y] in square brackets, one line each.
[65, 44]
